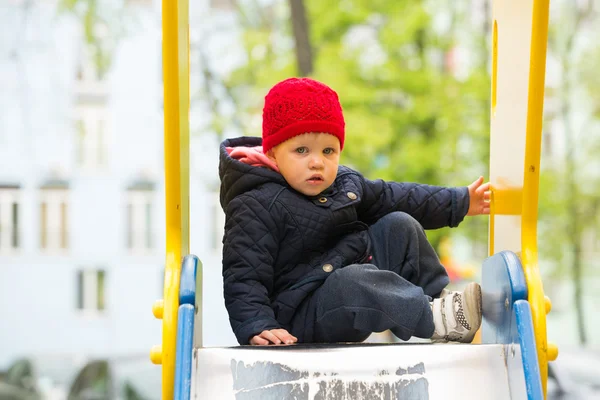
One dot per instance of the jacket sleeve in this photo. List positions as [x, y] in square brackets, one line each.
[249, 251]
[433, 206]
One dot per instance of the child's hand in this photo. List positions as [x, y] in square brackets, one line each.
[275, 336]
[479, 194]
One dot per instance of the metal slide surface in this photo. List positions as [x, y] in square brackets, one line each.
[358, 371]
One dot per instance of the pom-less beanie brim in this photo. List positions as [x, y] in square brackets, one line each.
[302, 127]
[301, 105]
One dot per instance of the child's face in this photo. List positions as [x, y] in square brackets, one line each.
[308, 162]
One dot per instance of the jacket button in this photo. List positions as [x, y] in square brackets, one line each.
[351, 196]
[327, 267]
[323, 200]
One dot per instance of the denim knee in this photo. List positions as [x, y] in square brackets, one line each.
[401, 221]
[349, 282]
[351, 273]
[402, 218]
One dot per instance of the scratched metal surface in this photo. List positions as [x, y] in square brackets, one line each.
[359, 371]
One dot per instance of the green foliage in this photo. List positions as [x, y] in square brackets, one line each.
[570, 183]
[408, 117]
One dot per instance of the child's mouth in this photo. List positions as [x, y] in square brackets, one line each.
[315, 179]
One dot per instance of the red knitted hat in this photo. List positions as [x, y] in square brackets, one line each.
[301, 105]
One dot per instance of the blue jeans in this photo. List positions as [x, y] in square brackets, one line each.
[392, 292]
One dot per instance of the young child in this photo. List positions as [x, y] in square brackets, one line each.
[315, 252]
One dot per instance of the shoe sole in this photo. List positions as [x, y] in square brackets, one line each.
[472, 296]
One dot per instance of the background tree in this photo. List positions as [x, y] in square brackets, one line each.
[570, 185]
[304, 57]
[410, 114]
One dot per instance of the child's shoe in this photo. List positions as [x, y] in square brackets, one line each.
[457, 315]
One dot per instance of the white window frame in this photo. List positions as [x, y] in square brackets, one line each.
[92, 137]
[87, 291]
[140, 235]
[8, 197]
[56, 227]
[88, 82]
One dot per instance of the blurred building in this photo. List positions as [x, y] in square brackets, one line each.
[81, 187]
[81, 175]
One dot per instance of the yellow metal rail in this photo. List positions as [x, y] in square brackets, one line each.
[175, 46]
[529, 253]
[514, 206]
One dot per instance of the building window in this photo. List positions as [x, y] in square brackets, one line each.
[92, 146]
[90, 72]
[140, 216]
[227, 5]
[54, 219]
[9, 218]
[143, 3]
[91, 290]
[91, 98]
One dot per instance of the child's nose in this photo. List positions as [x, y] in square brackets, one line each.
[316, 162]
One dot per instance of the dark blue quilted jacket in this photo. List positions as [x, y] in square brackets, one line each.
[277, 240]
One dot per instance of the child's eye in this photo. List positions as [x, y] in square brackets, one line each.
[301, 150]
[328, 151]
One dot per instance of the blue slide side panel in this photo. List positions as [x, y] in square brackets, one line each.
[187, 283]
[518, 284]
[503, 283]
[526, 334]
[183, 362]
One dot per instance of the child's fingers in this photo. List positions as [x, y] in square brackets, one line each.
[258, 341]
[270, 336]
[284, 336]
[484, 188]
[475, 184]
[275, 336]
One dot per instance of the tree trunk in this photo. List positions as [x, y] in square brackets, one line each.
[487, 10]
[578, 281]
[304, 56]
[573, 215]
[576, 221]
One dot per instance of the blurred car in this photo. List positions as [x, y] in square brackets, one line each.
[78, 378]
[39, 377]
[575, 375]
[137, 378]
[118, 378]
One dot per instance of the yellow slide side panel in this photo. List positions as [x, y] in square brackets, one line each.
[512, 30]
[519, 54]
[176, 151]
[531, 173]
